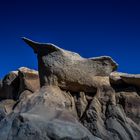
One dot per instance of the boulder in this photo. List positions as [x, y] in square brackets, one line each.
[10, 86]
[16, 82]
[49, 97]
[68, 69]
[29, 80]
[33, 127]
[131, 79]
[119, 79]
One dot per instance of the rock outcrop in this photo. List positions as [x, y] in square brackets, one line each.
[77, 99]
[68, 69]
[17, 82]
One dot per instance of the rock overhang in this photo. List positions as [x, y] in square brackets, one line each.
[66, 69]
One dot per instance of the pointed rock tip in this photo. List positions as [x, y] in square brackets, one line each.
[36, 45]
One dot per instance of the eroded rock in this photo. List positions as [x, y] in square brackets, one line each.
[29, 80]
[68, 69]
[79, 99]
[10, 86]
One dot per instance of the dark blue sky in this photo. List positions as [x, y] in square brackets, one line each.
[89, 27]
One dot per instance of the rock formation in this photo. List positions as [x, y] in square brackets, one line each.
[76, 99]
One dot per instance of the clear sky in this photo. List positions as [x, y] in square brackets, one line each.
[89, 27]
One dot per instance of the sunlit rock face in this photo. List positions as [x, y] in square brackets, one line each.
[69, 70]
[71, 98]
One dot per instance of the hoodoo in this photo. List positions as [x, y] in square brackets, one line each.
[69, 70]
[71, 98]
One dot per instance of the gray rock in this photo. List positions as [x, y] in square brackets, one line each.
[0, 84]
[117, 123]
[44, 116]
[130, 101]
[34, 127]
[68, 69]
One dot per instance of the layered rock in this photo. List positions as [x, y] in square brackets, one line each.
[79, 99]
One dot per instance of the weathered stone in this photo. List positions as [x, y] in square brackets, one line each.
[79, 99]
[119, 79]
[116, 80]
[49, 97]
[117, 122]
[7, 105]
[29, 80]
[10, 86]
[33, 127]
[130, 102]
[131, 79]
[80, 103]
[68, 69]
[45, 116]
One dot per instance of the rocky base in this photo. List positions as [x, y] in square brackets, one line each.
[110, 113]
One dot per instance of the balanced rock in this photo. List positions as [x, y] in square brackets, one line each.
[68, 69]
[79, 99]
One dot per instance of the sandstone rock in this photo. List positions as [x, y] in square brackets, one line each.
[48, 97]
[7, 105]
[45, 116]
[17, 82]
[80, 103]
[68, 69]
[95, 114]
[10, 86]
[33, 127]
[119, 79]
[29, 80]
[79, 99]
[132, 79]
[117, 123]
[116, 80]
[130, 102]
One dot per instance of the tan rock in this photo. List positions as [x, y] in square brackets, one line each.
[29, 80]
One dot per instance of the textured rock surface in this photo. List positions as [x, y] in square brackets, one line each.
[79, 99]
[16, 82]
[29, 80]
[9, 86]
[68, 69]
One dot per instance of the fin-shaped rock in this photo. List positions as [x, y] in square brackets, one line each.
[67, 69]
